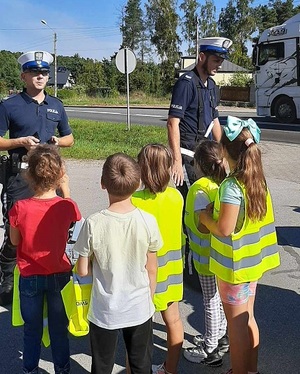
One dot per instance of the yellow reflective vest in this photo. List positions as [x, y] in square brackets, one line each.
[246, 255]
[167, 208]
[199, 242]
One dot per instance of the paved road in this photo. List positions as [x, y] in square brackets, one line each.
[271, 129]
[278, 302]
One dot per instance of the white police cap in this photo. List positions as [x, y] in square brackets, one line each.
[215, 45]
[37, 60]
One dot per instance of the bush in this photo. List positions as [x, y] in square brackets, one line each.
[240, 79]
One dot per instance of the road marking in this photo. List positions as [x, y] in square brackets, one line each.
[115, 113]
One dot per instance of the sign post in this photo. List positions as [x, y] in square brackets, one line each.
[126, 63]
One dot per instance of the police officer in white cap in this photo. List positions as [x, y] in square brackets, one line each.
[30, 117]
[194, 106]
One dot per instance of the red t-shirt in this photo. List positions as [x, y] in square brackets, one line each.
[43, 226]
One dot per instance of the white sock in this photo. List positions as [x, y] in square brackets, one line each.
[252, 372]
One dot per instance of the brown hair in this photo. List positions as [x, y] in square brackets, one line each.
[45, 167]
[121, 175]
[209, 158]
[155, 161]
[248, 171]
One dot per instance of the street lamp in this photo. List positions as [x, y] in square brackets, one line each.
[55, 58]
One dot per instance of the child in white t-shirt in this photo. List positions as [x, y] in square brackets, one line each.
[123, 241]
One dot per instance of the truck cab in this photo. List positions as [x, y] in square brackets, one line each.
[277, 79]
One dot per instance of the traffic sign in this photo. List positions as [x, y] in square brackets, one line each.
[125, 61]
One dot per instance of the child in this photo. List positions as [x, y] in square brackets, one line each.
[243, 239]
[123, 241]
[166, 204]
[210, 346]
[39, 227]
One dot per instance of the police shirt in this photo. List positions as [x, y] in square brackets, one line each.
[22, 116]
[184, 104]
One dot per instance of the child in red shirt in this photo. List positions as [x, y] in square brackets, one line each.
[39, 228]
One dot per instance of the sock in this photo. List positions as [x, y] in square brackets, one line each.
[253, 372]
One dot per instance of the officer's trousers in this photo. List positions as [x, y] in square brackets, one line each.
[16, 189]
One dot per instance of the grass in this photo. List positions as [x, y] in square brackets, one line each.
[96, 140]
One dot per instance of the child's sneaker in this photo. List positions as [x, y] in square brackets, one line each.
[223, 343]
[159, 369]
[200, 355]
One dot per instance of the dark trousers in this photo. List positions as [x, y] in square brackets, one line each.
[15, 189]
[138, 342]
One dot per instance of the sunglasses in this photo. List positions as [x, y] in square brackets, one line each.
[35, 72]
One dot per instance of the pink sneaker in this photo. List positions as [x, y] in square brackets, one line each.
[159, 369]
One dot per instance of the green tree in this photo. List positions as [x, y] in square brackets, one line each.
[207, 22]
[189, 24]
[92, 77]
[237, 22]
[75, 64]
[9, 72]
[132, 26]
[162, 24]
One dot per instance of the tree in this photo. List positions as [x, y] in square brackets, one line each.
[9, 72]
[237, 22]
[162, 25]
[189, 24]
[132, 27]
[207, 23]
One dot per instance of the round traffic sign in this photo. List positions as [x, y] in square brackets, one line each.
[125, 61]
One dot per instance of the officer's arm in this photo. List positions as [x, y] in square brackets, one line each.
[26, 142]
[217, 130]
[174, 144]
[64, 141]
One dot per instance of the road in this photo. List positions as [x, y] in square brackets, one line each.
[271, 129]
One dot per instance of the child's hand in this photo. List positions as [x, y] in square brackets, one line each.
[64, 185]
[209, 209]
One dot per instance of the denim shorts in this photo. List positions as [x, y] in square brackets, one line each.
[236, 294]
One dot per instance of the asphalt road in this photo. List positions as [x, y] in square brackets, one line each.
[272, 130]
[278, 296]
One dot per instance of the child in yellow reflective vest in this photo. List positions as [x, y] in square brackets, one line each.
[213, 343]
[39, 227]
[243, 239]
[166, 204]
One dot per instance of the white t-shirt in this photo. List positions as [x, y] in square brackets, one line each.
[121, 293]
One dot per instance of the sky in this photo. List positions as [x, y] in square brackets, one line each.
[87, 27]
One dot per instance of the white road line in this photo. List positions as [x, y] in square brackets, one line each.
[115, 113]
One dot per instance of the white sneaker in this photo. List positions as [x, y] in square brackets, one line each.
[158, 369]
[195, 354]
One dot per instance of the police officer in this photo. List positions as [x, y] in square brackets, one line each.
[194, 107]
[30, 117]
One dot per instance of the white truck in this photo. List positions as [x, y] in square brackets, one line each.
[276, 57]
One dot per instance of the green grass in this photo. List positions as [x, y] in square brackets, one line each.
[96, 140]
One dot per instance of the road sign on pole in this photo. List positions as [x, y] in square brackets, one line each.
[126, 63]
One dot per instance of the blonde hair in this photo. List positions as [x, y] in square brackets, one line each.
[249, 172]
[45, 168]
[155, 161]
[121, 175]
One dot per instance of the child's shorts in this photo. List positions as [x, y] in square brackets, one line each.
[236, 294]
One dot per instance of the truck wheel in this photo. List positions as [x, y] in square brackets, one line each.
[285, 110]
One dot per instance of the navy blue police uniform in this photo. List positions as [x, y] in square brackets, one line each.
[21, 116]
[185, 104]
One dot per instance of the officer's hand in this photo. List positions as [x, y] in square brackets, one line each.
[177, 174]
[29, 142]
[54, 140]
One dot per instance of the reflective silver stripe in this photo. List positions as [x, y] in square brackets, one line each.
[174, 255]
[245, 262]
[174, 280]
[204, 260]
[197, 240]
[247, 239]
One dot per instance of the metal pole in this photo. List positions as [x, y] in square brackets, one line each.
[55, 65]
[127, 85]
